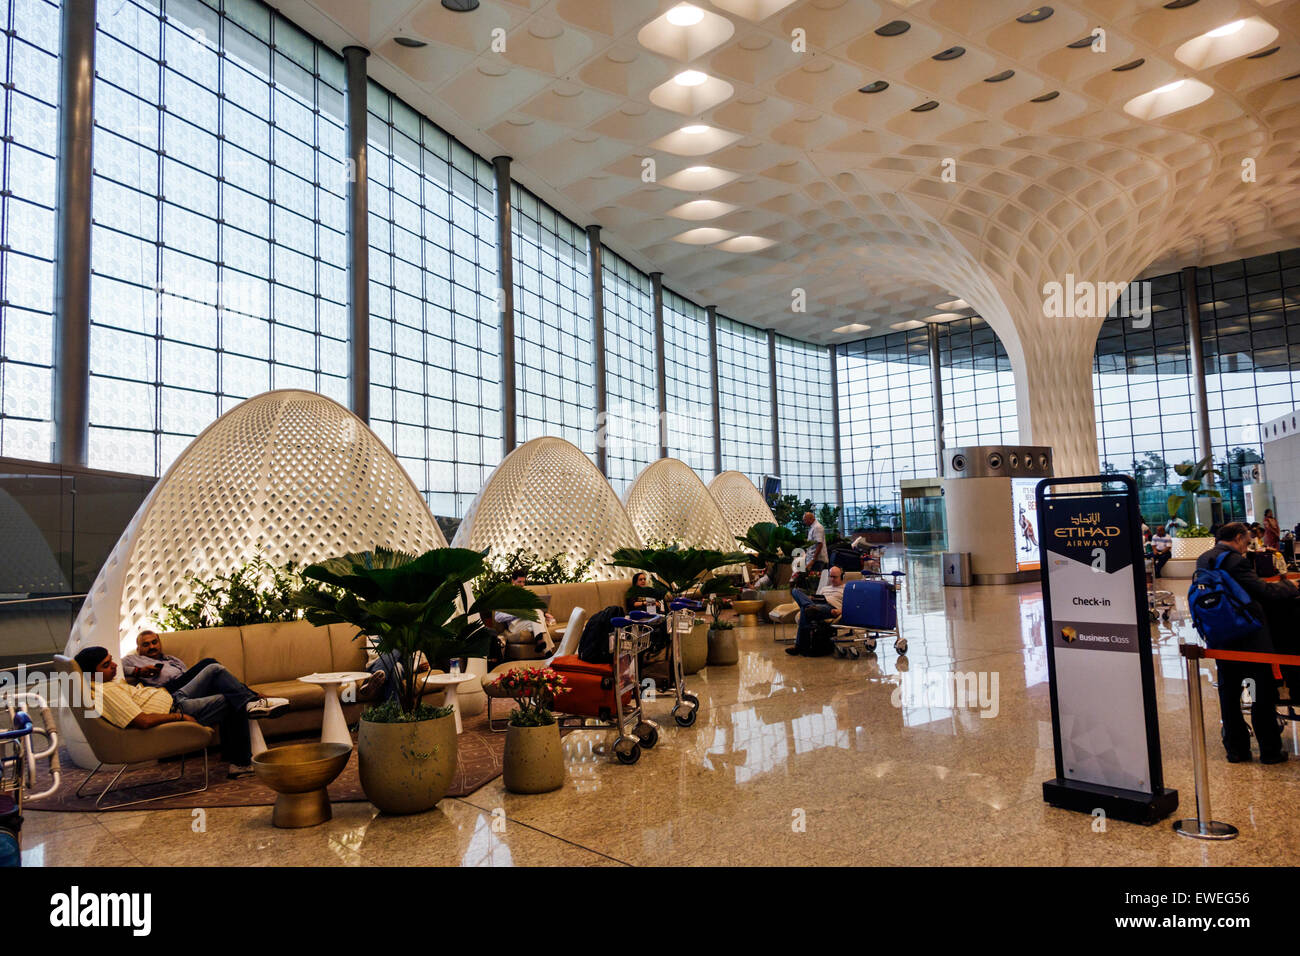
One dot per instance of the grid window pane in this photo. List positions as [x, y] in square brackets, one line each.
[744, 400]
[805, 426]
[631, 431]
[688, 382]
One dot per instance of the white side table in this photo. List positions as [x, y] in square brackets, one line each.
[333, 728]
[451, 682]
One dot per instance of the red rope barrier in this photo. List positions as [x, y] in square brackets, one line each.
[1251, 657]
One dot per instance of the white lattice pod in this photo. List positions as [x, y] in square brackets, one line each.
[290, 474]
[669, 502]
[740, 502]
[548, 497]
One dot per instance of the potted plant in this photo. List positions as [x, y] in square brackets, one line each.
[722, 643]
[774, 545]
[1192, 540]
[412, 608]
[678, 571]
[534, 761]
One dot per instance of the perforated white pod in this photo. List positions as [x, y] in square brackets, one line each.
[740, 502]
[547, 496]
[668, 502]
[290, 474]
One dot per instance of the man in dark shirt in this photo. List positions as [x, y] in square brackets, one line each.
[1270, 600]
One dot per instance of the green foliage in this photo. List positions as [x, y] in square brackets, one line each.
[722, 625]
[1193, 531]
[676, 569]
[412, 606]
[1194, 476]
[257, 592]
[557, 569]
[390, 712]
[772, 543]
[789, 511]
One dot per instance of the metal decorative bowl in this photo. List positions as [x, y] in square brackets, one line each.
[299, 773]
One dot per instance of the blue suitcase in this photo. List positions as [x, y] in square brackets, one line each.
[870, 606]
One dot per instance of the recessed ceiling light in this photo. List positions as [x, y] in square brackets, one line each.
[852, 327]
[1169, 87]
[949, 54]
[690, 78]
[1227, 30]
[1130, 65]
[926, 106]
[1178, 4]
[1046, 97]
[460, 6]
[1083, 42]
[696, 129]
[999, 77]
[1293, 76]
[875, 87]
[1263, 53]
[409, 42]
[685, 15]
[1035, 15]
[893, 28]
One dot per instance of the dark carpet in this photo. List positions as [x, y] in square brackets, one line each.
[478, 751]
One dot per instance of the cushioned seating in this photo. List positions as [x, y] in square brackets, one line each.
[113, 746]
[568, 645]
[592, 595]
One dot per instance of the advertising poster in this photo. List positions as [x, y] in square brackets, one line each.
[1024, 519]
[1099, 655]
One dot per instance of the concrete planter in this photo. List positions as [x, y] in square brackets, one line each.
[407, 767]
[695, 648]
[722, 647]
[534, 760]
[1191, 548]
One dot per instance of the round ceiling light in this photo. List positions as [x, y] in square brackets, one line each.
[460, 6]
[1035, 15]
[685, 15]
[1228, 29]
[1178, 4]
[949, 54]
[1130, 65]
[695, 130]
[893, 28]
[1046, 97]
[875, 87]
[690, 78]
[926, 106]
[999, 77]
[411, 43]
[1263, 53]
[1083, 42]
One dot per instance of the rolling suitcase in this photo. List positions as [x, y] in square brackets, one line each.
[588, 689]
[872, 602]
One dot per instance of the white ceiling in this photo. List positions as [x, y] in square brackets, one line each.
[850, 186]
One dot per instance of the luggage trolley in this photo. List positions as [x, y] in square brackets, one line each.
[681, 620]
[586, 698]
[18, 760]
[870, 611]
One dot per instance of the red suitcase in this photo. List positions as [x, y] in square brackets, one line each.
[588, 689]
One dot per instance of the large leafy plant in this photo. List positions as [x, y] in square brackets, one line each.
[256, 592]
[1194, 477]
[557, 569]
[674, 568]
[412, 606]
[772, 543]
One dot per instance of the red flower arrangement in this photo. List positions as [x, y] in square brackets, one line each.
[533, 690]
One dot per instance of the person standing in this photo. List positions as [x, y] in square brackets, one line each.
[1272, 531]
[815, 558]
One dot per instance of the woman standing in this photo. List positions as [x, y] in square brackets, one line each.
[1272, 531]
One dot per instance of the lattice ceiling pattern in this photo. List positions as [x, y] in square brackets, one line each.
[668, 502]
[741, 503]
[548, 497]
[851, 186]
[291, 475]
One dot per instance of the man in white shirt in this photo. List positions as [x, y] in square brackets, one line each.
[815, 556]
[1162, 548]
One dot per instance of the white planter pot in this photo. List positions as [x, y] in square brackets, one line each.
[1191, 548]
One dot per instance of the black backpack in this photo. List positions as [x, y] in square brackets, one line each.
[593, 646]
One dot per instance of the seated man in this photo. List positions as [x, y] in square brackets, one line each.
[813, 612]
[213, 697]
[386, 673]
[151, 667]
[519, 627]
[1162, 548]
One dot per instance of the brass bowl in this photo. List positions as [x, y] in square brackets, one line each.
[299, 773]
[748, 612]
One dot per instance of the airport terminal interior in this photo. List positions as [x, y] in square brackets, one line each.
[649, 432]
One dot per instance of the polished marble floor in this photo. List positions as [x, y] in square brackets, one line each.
[793, 761]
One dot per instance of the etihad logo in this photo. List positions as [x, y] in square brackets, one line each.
[1099, 531]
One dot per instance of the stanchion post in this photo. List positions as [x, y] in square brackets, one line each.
[1203, 827]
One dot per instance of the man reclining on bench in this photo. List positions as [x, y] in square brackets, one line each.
[212, 697]
[811, 612]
